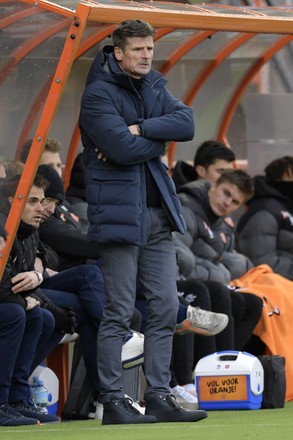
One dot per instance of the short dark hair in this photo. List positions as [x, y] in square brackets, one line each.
[52, 145]
[131, 28]
[240, 178]
[10, 185]
[278, 168]
[210, 151]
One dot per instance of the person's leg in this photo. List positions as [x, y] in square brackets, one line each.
[86, 281]
[39, 341]
[48, 340]
[26, 354]
[183, 358]
[157, 274]
[119, 265]
[252, 307]
[198, 295]
[221, 303]
[157, 271]
[12, 326]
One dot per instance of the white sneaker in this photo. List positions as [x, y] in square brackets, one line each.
[132, 350]
[96, 411]
[190, 388]
[202, 322]
[184, 398]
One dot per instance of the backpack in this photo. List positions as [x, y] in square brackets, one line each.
[274, 381]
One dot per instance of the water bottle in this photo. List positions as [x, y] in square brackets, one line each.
[39, 394]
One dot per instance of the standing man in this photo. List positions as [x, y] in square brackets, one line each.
[127, 118]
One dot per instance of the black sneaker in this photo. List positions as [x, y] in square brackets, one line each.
[122, 411]
[10, 417]
[29, 409]
[166, 409]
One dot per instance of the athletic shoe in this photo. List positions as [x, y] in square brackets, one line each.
[190, 388]
[29, 409]
[202, 322]
[96, 410]
[10, 417]
[132, 350]
[166, 409]
[122, 411]
[185, 399]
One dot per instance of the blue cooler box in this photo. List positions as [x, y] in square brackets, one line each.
[229, 380]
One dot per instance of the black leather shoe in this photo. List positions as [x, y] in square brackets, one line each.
[121, 411]
[167, 409]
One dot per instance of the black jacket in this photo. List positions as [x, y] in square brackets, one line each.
[66, 234]
[265, 232]
[206, 251]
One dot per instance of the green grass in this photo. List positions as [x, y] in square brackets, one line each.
[270, 424]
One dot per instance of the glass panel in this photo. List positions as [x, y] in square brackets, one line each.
[30, 48]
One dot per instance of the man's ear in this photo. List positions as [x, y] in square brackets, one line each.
[10, 200]
[118, 53]
[200, 171]
[212, 188]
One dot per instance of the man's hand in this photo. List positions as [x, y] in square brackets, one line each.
[134, 129]
[100, 155]
[25, 281]
[31, 303]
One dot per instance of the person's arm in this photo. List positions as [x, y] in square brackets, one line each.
[103, 127]
[176, 124]
[259, 240]
[66, 239]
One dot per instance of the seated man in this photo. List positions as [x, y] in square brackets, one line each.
[64, 231]
[265, 231]
[210, 160]
[26, 329]
[206, 251]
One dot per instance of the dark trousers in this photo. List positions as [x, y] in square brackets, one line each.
[154, 265]
[22, 335]
[243, 309]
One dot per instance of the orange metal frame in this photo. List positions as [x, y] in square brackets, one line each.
[57, 86]
[265, 57]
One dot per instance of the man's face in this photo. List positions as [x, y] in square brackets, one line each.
[136, 59]
[213, 171]
[32, 213]
[53, 160]
[225, 198]
[49, 205]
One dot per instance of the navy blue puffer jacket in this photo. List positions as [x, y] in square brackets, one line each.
[116, 189]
